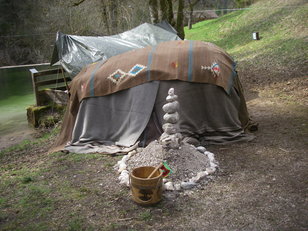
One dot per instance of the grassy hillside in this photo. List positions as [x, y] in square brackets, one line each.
[279, 56]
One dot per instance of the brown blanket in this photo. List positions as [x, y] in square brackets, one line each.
[192, 61]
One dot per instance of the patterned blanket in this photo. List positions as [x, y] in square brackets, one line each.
[192, 61]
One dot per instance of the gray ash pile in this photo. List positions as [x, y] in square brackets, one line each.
[189, 165]
[185, 162]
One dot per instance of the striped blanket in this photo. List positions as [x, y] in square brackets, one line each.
[192, 61]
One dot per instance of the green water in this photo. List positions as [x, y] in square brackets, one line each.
[16, 94]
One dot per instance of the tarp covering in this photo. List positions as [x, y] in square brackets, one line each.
[125, 114]
[113, 123]
[74, 52]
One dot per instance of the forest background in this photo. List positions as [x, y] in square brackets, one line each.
[28, 28]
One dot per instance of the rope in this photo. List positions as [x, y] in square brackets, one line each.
[66, 85]
[54, 97]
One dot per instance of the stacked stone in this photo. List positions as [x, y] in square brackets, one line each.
[171, 138]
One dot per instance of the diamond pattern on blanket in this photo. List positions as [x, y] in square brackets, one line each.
[136, 69]
[116, 76]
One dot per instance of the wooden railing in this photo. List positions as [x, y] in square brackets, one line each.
[49, 85]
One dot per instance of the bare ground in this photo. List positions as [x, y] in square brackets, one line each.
[261, 185]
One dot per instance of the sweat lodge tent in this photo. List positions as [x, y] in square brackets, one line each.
[117, 102]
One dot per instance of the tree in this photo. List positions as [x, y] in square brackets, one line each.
[166, 9]
[153, 8]
[180, 19]
[166, 13]
[170, 13]
[163, 10]
[191, 5]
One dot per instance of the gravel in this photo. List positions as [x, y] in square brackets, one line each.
[185, 162]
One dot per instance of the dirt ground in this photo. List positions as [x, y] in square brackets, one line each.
[261, 185]
[15, 138]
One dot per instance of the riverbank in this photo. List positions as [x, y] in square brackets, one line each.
[16, 94]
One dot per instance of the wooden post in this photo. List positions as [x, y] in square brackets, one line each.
[35, 88]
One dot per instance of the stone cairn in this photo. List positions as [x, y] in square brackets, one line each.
[171, 138]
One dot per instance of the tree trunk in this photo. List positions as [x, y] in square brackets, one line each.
[191, 12]
[163, 12]
[105, 18]
[170, 13]
[180, 19]
[225, 6]
[190, 18]
[153, 8]
[113, 16]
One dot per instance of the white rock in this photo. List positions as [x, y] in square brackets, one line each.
[131, 153]
[122, 166]
[210, 170]
[125, 158]
[171, 141]
[169, 186]
[194, 179]
[116, 166]
[201, 149]
[124, 178]
[213, 165]
[177, 187]
[210, 155]
[125, 172]
[171, 107]
[171, 118]
[188, 185]
[171, 91]
[169, 128]
[171, 98]
[200, 176]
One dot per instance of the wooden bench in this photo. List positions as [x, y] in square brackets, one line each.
[50, 91]
[49, 86]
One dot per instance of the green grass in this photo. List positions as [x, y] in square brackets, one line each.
[145, 216]
[31, 192]
[76, 224]
[28, 197]
[281, 25]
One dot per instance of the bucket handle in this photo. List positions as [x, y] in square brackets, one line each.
[155, 190]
